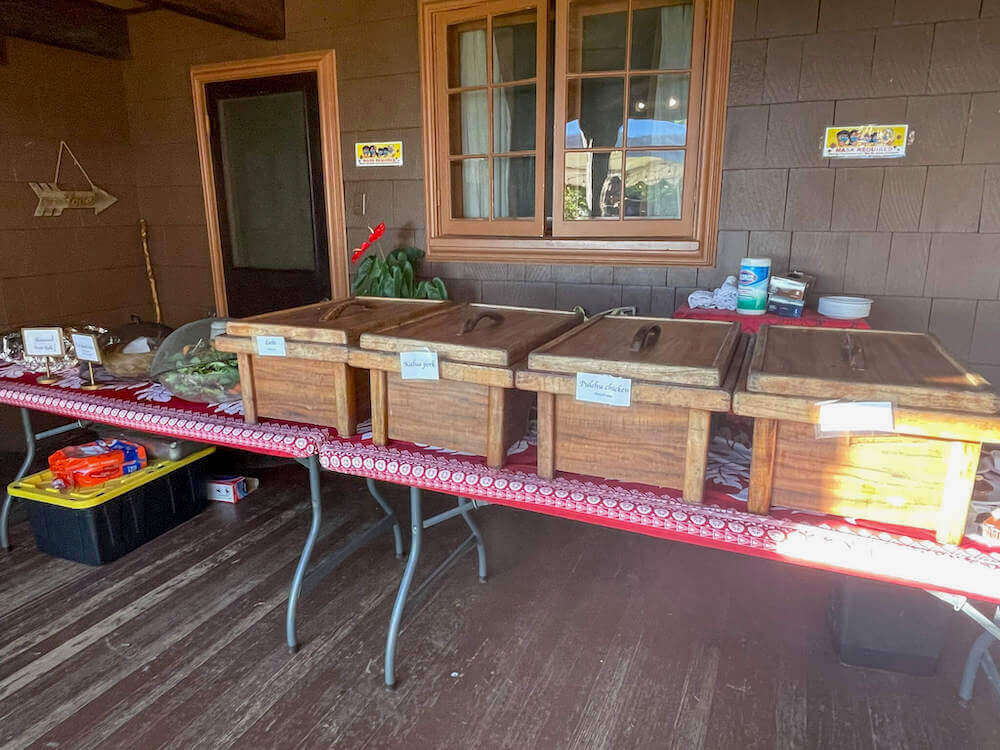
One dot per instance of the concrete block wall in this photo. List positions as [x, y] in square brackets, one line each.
[921, 235]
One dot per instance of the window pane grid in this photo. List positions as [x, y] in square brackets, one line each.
[621, 152]
[488, 161]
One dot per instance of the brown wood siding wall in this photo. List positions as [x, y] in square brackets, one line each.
[77, 266]
[921, 235]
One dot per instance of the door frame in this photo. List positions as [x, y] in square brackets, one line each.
[323, 64]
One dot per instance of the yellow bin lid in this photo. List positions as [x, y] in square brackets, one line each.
[39, 487]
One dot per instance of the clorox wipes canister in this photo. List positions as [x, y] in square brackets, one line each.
[752, 294]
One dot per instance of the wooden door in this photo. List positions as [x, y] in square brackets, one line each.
[269, 189]
[269, 147]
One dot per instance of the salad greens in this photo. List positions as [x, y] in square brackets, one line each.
[200, 373]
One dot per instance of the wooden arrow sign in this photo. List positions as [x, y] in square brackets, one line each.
[53, 200]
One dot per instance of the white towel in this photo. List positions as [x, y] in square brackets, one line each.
[722, 298]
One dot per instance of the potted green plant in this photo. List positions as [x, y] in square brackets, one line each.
[394, 274]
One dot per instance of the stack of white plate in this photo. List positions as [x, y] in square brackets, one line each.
[845, 308]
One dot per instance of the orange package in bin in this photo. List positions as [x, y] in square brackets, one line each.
[95, 463]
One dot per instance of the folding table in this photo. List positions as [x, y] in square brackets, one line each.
[909, 557]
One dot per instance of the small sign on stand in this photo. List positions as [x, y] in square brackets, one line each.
[46, 343]
[88, 350]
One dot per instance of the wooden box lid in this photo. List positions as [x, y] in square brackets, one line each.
[909, 369]
[660, 350]
[339, 322]
[474, 333]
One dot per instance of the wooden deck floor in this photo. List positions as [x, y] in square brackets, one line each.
[582, 638]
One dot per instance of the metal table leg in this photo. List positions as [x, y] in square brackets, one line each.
[417, 526]
[312, 463]
[979, 655]
[396, 530]
[30, 441]
[480, 543]
[416, 537]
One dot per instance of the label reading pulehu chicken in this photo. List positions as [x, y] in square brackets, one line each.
[271, 346]
[418, 365]
[603, 389]
[856, 416]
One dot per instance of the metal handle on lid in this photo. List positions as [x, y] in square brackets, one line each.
[336, 311]
[470, 324]
[645, 338]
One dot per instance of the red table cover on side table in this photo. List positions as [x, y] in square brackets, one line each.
[750, 323]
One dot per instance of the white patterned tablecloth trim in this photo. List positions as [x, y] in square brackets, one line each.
[276, 439]
[809, 541]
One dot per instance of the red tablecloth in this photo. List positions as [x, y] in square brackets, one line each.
[150, 407]
[894, 554]
[906, 556]
[750, 323]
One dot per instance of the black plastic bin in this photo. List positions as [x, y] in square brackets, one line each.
[112, 522]
[891, 627]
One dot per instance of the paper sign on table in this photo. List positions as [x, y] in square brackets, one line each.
[603, 389]
[856, 416]
[43, 342]
[418, 365]
[271, 346]
[86, 347]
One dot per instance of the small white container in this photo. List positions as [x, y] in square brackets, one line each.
[844, 308]
[752, 290]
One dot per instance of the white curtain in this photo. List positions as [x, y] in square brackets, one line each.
[502, 126]
[475, 125]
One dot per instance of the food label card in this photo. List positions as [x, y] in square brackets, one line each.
[86, 347]
[43, 342]
[271, 346]
[418, 366]
[603, 389]
[839, 417]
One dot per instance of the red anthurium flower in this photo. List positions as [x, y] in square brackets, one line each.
[377, 232]
[365, 245]
[358, 252]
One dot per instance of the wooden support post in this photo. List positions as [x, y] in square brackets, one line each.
[495, 448]
[347, 409]
[546, 434]
[245, 363]
[699, 427]
[765, 443]
[380, 406]
[959, 480]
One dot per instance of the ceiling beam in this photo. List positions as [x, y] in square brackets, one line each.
[263, 18]
[73, 24]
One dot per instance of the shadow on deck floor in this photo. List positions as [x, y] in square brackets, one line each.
[582, 637]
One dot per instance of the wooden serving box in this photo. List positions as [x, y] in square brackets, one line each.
[473, 407]
[313, 382]
[919, 475]
[680, 370]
